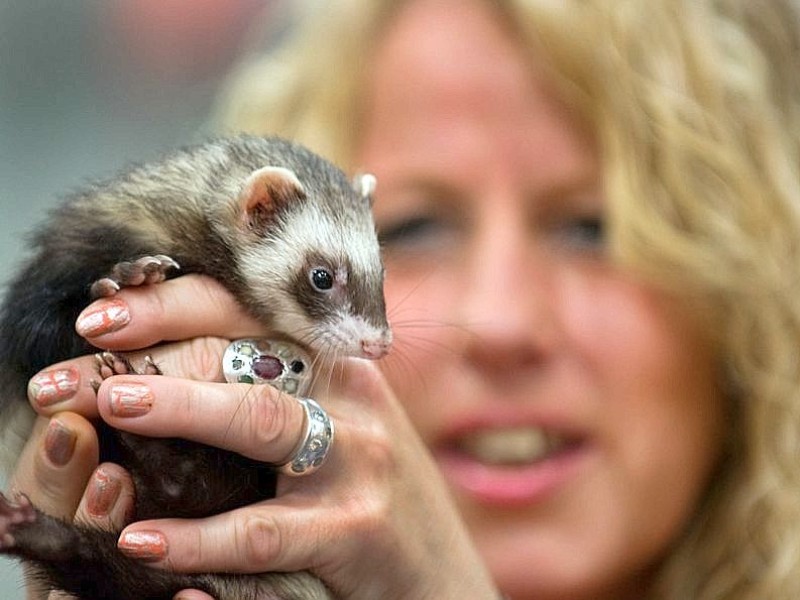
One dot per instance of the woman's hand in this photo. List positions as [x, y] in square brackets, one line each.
[58, 471]
[374, 521]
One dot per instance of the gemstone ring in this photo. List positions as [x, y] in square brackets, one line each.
[283, 365]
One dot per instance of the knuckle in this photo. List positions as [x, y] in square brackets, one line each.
[366, 516]
[368, 508]
[269, 415]
[202, 362]
[261, 541]
[376, 448]
[366, 382]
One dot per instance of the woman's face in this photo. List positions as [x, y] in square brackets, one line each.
[573, 411]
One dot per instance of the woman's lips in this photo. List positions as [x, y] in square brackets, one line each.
[516, 465]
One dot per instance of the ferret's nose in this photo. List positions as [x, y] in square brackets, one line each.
[375, 349]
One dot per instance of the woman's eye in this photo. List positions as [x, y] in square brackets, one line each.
[410, 232]
[584, 233]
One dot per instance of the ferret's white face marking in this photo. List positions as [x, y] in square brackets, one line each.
[345, 315]
[355, 336]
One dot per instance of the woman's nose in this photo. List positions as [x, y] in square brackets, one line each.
[509, 297]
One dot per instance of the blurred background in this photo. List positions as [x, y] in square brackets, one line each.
[87, 86]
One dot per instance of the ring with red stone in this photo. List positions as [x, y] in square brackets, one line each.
[283, 365]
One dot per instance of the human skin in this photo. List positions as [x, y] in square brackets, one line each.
[362, 522]
[511, 322]
[509, 318]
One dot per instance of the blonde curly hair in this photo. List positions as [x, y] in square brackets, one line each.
[695, 106]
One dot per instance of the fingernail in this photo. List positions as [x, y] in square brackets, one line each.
[143, 545]
[49, 387]
[130, 399]
[103, 493]
[104, 317]
[59, 443]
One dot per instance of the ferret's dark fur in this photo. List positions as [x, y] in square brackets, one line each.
[215, 210]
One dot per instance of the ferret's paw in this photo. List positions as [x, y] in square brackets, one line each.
[145, 270]
[115, 363]
[14, 513]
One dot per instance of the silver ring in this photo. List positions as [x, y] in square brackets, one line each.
[283, 365]
[315, 444]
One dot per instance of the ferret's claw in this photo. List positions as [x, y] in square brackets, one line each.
[144, 270]
[150, 367]
[13, 514]
[167, 262]
[103, 288]
[113, 363]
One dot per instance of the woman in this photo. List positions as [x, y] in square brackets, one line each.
[589, 217]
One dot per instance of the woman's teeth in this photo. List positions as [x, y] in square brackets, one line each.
[517, 446]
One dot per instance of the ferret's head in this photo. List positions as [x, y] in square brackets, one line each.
[311, 260]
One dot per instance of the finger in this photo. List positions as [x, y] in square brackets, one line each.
[71, 385]
[52, 470]
[178, 309]
[65, 386]
[257, 421]
[108, 500]
[192, 595]
[56, 463]
[268, 537]
[312, 519]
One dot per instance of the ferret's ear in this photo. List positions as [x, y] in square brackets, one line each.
[265, 191]
[365, 184]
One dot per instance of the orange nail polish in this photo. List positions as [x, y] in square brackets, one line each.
[130, 399]
[102, 494]
[105, 317]
[59, 443]
[50, 387]
[143, 545]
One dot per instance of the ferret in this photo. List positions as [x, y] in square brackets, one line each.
[287, 233]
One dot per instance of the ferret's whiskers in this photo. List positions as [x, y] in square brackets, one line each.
[239, 414]
[406, 331]
[402, 300]
[399, 363]
[330, 371]
[319, 366]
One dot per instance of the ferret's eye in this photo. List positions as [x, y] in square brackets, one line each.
[321, 279]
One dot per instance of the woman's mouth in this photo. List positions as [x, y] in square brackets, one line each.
[512, 447]
[519, 465]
